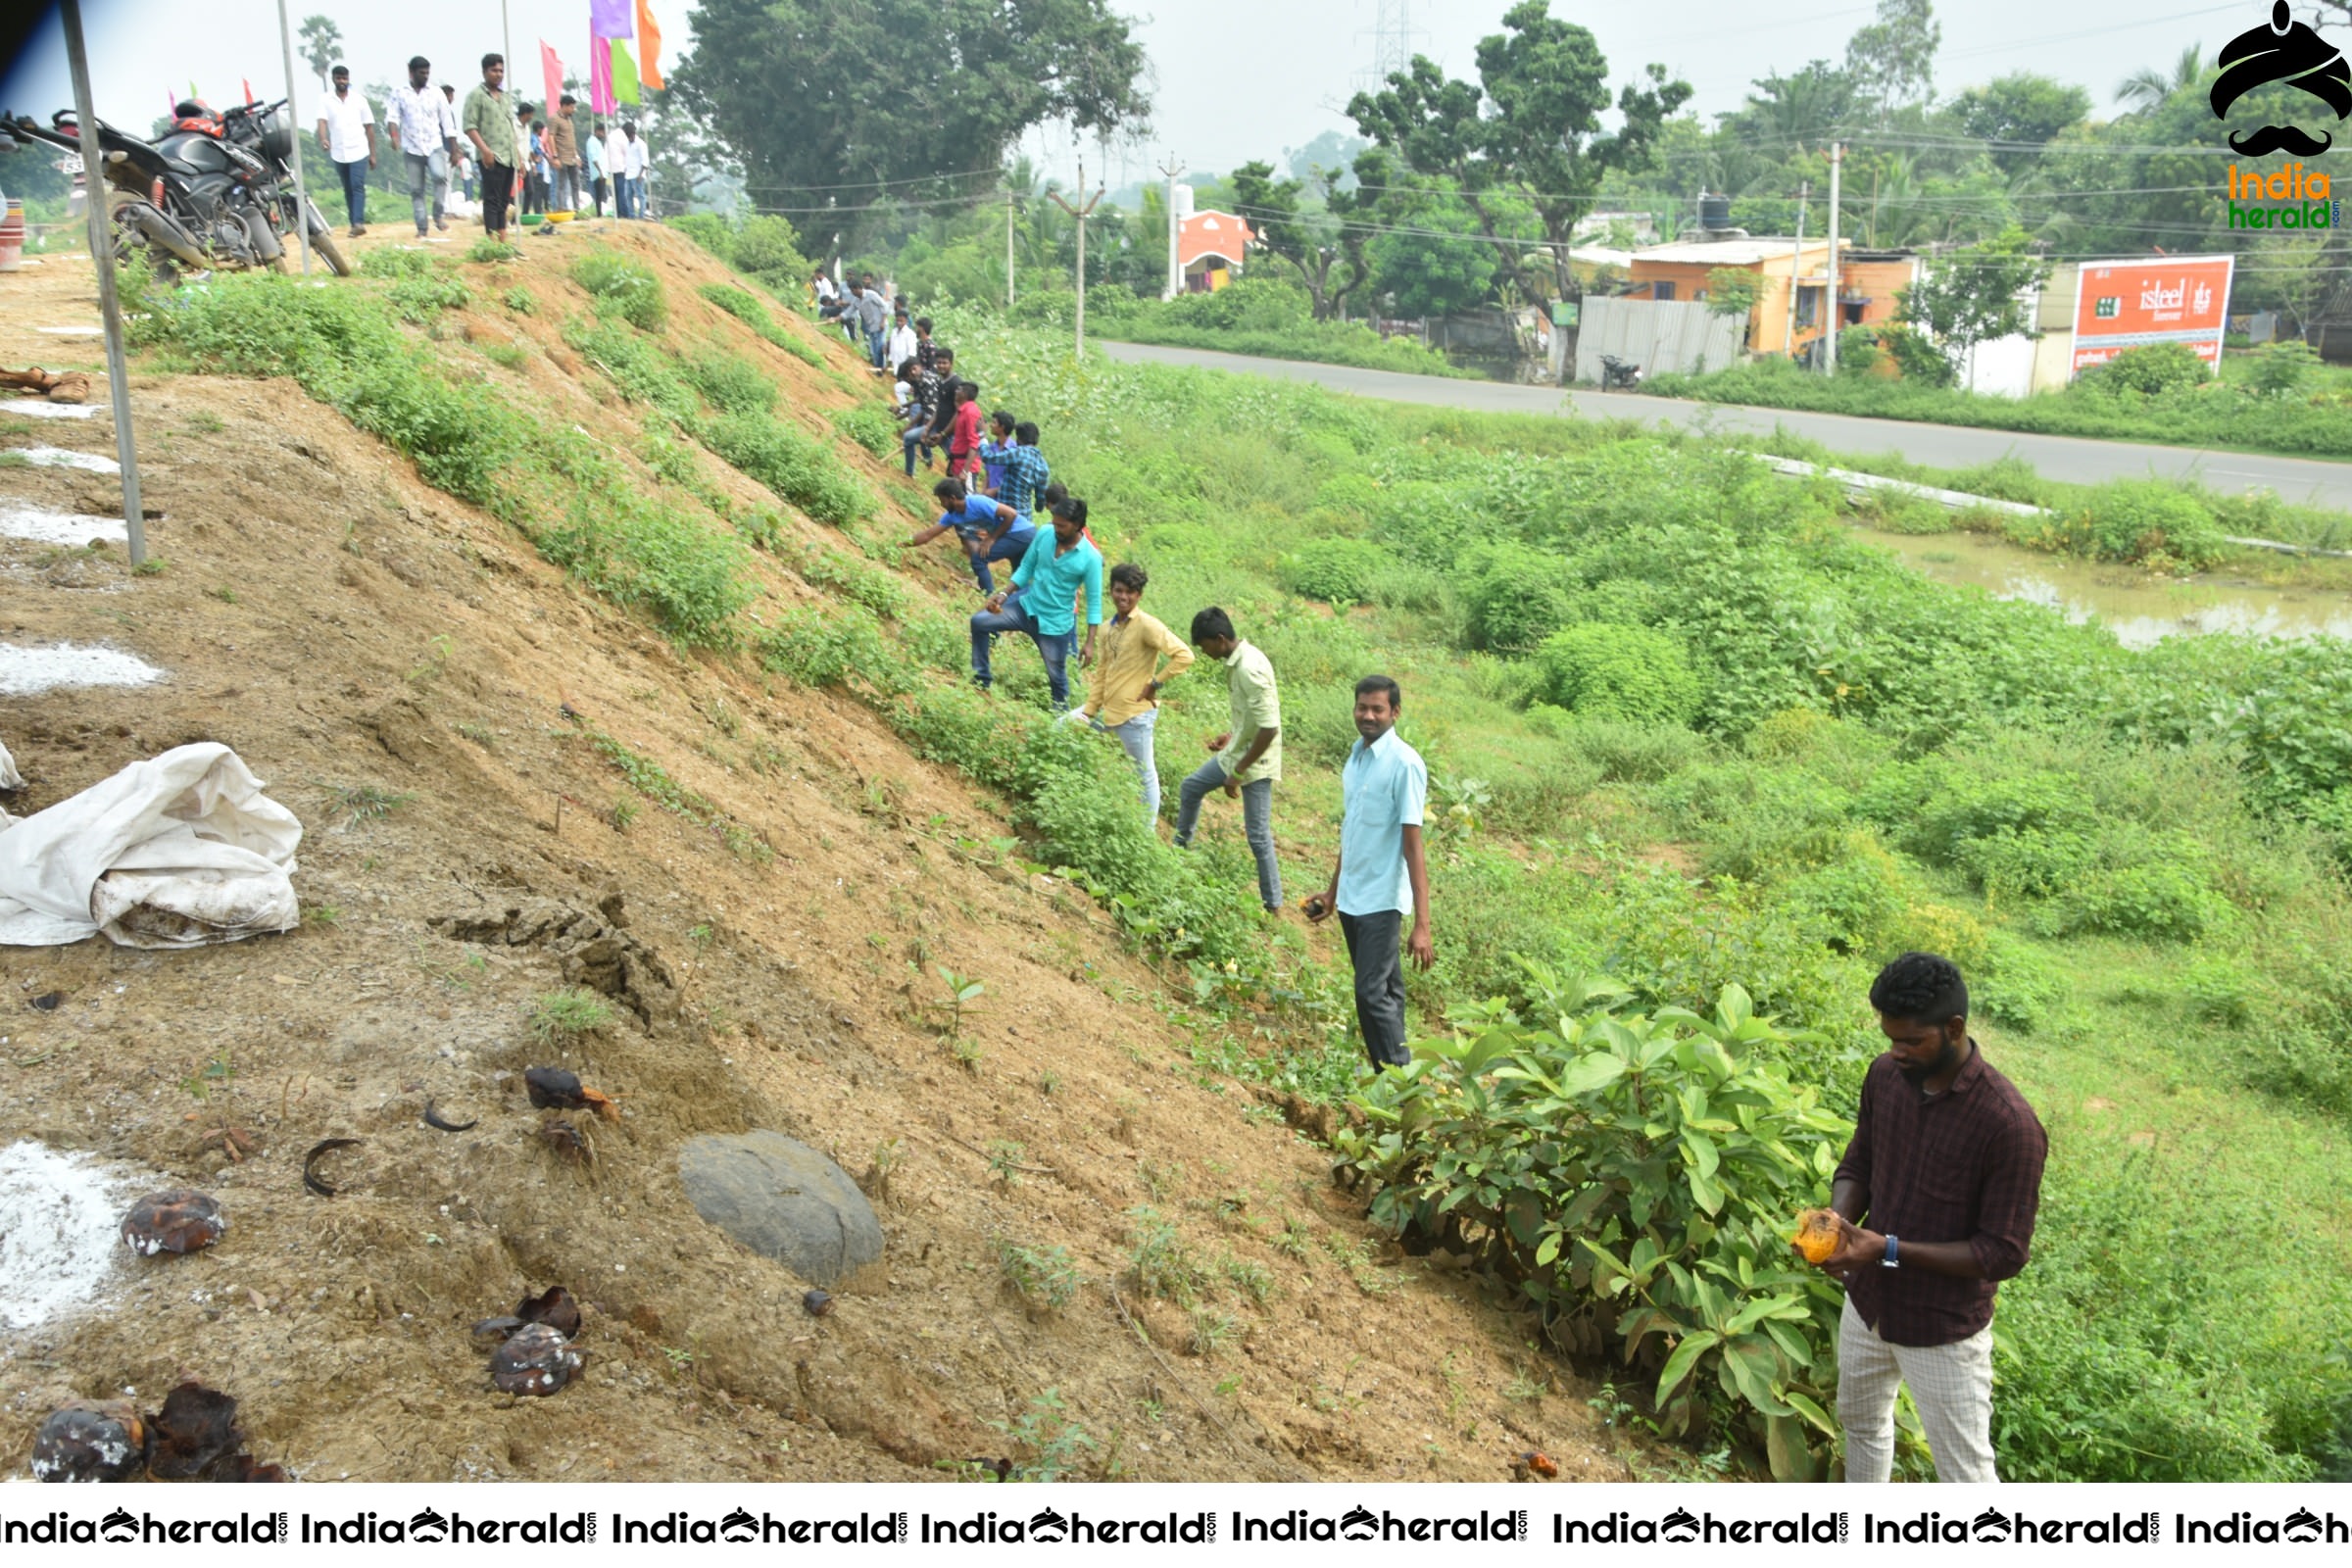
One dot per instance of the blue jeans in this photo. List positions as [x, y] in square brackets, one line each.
[1258, 823]
[355, 190]
[877, 342]
[1135, 739]
[1007, 547]
[1052, 645]
[911, 438]
[418, 167]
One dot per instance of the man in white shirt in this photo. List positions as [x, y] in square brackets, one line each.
[445, 160]
[616, 169]
[416, 121]
[902, 345]
[637, 162]
[347, 135]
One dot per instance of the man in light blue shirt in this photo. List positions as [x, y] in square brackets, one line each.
[1380, 875]
[1042, 600]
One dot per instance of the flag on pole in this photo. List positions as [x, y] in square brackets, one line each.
[600, 76]
[553, 71]
[649, 46]
[625, 74]
[249, 97]
[608, 19]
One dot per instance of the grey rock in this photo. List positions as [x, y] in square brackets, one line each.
[782, 1200]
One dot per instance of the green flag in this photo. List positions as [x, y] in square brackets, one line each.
[625, 73]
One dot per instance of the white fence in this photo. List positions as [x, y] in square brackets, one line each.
[1658, 335]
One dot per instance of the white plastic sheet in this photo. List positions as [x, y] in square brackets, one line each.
[174, 851]
[10, 778]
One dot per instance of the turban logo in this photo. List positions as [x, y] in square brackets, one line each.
[2291, 52]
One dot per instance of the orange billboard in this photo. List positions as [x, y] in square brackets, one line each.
[2152, 299]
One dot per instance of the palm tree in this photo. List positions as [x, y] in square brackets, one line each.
[2149, 86]
[321, 42]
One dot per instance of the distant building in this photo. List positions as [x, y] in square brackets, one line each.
[1209, 246]
[1867, 281]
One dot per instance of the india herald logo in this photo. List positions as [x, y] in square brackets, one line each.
[2291, 52]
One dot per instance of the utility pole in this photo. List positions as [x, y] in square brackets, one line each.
[1009, 247]
[1171, 169]
[1080, 214]
[1797, 267]
[302, 197]
[101, 213]
[1829, 342]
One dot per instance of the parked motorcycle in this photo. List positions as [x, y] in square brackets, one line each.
[213, 193]
[1616, 372]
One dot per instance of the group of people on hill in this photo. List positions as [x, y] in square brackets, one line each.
[503, 154]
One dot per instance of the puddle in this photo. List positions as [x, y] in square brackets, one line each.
[60, 458]
[29, 671]
[60, 1219]
[69, 529]
[2138, 610]
[43, 409]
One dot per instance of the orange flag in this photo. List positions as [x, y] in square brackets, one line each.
[649, 49]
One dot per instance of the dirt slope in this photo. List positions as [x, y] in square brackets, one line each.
[346, 628]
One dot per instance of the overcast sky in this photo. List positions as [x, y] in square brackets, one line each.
[1236, 79]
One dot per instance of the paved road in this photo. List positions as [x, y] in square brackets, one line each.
[1944, 446]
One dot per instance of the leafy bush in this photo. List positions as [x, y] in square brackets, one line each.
[2132, 519]
[746, 308]
[870, 426]
[729, 384]
[622, 288]
[1636, 1175]
[638, 549]
[2151, 370]
[2281, 368]
[1043, 1277]
[1338, 571]
[791, 464]
[1597, 671]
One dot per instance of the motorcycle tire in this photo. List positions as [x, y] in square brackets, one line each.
[325, 245]
[140, 218]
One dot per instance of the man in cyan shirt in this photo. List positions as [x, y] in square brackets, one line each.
[1059, 563]
[1380, 877]
[1123, 697]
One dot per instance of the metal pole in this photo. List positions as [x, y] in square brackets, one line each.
[1829, 346]
[506, 40]
[1175, 284]
[1797, 267]
[1008, 270]
[102, 255]
[302, 197]
[1082, 266]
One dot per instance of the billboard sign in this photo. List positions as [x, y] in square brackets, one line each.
[2154, 299]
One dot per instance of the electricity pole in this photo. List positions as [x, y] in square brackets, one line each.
[302, 197]
[1171, 169]
[1080, 214]
[101, 213]
[1797, 267]
[1829, 343]
[1009, 247]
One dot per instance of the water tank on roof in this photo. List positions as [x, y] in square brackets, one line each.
[1184, 201]
[1714, 212]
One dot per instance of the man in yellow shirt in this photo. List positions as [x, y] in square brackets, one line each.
[1248, 756]
[1123, 697]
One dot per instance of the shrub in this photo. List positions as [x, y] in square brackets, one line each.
[746, 308]
[638, 549]
[1631, 753]
[844, 647]
[1599, 671]
[2151, 370]
[2135, 519]
[1636, 1175]
[729, 384]
[870, 426]
[622, 288]
[1338, 571]
[1043, 1277]
[2280, 367]
[791, 464]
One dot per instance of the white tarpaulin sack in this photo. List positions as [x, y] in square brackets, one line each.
[174, 851]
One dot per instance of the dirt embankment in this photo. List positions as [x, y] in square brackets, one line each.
[422, 689]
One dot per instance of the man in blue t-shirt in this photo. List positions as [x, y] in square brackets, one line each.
[1043, 602]
[989, 530]
[1380, 877]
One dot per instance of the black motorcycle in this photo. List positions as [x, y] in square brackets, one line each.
[213, 193]
[1616, 372]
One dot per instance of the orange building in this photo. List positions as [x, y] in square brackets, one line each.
[1210, 247]
[1867, 281]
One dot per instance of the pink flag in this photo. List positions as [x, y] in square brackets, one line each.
[600, 76]
[553, 68]
[608, 19]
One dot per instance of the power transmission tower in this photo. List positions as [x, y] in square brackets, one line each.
[1393, 37]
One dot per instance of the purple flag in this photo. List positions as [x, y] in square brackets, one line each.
[610, 18]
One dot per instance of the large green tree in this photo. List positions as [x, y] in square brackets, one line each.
[2022, 112]
[1303, 223]
[321, 46]
[1975, 295]
[1892, 58]
[836, 103]
[1525, 138]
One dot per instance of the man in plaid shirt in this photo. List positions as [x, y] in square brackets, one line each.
[1945, 1164]
[1026, 471]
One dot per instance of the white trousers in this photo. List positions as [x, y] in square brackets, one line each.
[1951, 1384]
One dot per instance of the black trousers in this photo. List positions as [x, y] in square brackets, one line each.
[498, 190]
[1374, 948]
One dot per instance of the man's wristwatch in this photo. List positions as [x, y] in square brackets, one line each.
[1890, 1260]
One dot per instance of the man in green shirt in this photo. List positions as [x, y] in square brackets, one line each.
[489, 123]
[1248, 756]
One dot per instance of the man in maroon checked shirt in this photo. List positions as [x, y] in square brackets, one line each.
[1946, 1165]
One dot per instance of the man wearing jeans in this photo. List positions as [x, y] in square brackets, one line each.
[1123, 697]
[347, 135]
[988, 529]
[1043, 601]
[1946, 1162]
[1249, 755]
[490, 126]
[416, 122]
[1380, 877]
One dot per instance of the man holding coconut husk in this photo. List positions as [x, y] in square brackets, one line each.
[1945, 1164]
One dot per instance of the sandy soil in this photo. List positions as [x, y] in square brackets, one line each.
[346, 629]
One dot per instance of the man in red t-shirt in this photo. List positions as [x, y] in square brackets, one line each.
[963, 433]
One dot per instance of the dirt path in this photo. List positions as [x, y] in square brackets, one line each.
[422, 688]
